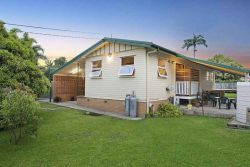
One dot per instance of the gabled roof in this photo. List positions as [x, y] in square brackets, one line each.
[147, 44]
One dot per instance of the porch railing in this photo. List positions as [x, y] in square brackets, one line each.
[225, 86]
[187, 87]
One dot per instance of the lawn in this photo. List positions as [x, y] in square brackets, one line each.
[70, 138]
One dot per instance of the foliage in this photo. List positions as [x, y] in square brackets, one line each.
[18, 62]
[194, 42]
[230, 95]
[58, 62]
[19, 114]
[168, 110]
[225, 77]
[39, 52]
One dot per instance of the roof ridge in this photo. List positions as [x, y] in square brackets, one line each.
[127, 40]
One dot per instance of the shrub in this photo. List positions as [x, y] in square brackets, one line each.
[57, 99]
[168, 110]
[19, 114]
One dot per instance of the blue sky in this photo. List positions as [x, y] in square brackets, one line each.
[225, 24]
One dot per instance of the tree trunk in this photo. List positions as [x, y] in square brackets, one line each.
[20, 132]
[194, 50]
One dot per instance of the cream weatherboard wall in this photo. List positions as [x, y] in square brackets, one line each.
[110, 85]
[157, 85]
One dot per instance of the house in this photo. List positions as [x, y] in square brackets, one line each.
[101, 76]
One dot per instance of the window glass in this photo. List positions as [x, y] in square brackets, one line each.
[128, 60]
[161, 62]
[126, 71]
[162, 71]
[96, 70]
[97, 64]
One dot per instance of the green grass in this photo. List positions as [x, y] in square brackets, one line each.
[230, 95]
[69, 138]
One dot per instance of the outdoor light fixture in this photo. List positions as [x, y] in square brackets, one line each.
[110, 57]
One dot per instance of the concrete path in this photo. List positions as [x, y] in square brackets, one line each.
[209, 111]
[73, 105]
[238, 125]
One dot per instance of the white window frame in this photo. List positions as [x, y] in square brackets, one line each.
[127, 74]
[158, 71]
[132, 73]
[95, 72]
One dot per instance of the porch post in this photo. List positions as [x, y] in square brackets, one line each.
[247, 77]
[77, 79]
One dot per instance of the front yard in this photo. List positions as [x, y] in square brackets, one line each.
[67, 137]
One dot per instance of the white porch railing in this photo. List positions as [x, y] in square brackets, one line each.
[187, 87]
[225, 86]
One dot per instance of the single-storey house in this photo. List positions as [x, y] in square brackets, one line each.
[102, 76]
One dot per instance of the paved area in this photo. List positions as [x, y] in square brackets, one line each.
[209, 111]
[238, 125]
[73, 105]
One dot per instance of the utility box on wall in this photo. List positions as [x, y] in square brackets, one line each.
[243, 102]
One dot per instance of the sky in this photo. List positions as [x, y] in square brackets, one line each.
[225, 24]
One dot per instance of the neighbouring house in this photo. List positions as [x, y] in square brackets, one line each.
[101, 76]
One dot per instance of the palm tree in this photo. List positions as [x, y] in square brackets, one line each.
[39, 52]
[196, 40]
[14, 32]
[49, 65]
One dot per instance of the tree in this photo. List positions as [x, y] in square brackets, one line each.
[48, 68]
[39, 52]
[60, 61]
[225, 77]
[19, 114]
[194, 42]
[18, 62]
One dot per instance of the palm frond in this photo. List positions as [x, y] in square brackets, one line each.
[38, 48]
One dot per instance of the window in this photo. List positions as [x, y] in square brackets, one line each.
[128, 60]
[162, 71]
[127, 66]
[209, 76]
[96, 71]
